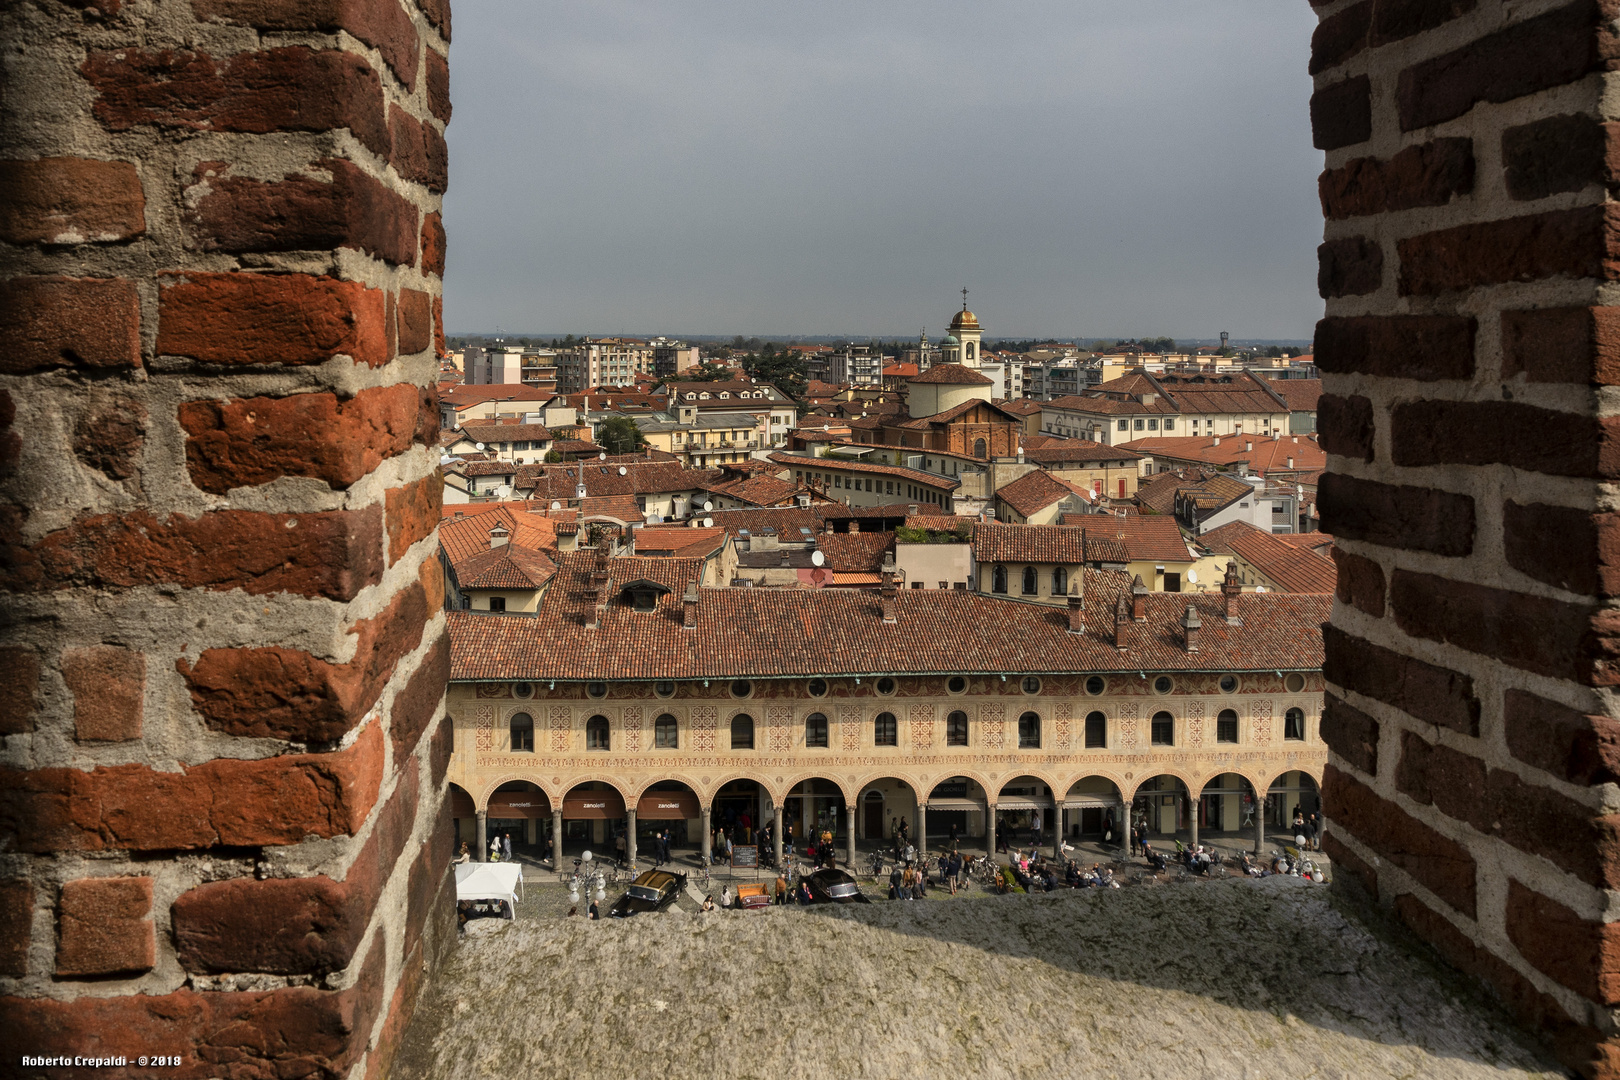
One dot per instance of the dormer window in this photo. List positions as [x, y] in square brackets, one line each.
[642, 595]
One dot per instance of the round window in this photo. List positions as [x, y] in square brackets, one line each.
[596, 689]
[1031, 684]
[1294, 683]
[1229, 684]
[523, 690]
[1163, 684]
[664, 688]
[817, 687]
[956, 684]
[1096, 685]
[741, 688]
[885, 686]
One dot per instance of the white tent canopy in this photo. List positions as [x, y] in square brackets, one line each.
[489, 881]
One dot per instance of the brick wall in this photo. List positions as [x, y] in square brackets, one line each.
[1469, 265]
[223, 767]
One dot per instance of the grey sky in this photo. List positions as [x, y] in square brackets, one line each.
[1084, 167]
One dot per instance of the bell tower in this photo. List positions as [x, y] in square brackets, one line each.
[966, 329]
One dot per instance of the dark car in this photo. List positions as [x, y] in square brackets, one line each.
[834, 887]
[652, 891]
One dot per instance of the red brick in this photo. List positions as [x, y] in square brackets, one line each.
[20, 701]
[1439, 863]
[438, 84]
[433, 244]
[1556, 154]
[391, 322]
[417, 705]
[1536, 54]
[294, 926]
[1572, 746]
[10, 440]
[69, 322]
[1562, 345]
[420, 153]
[430, 897]
[1432, 694]
[105, 927]
[1346, 860]
[334, 553]
[1394, 20]
[243, 1035]
[1503, 433]
[1349, 266]
[1540, 821]
[63, 200]
[1451, 781]
[109, 691]
[109, 437]
[1351, 734]
[413, 514]
[1425, 347]
[440, 748]
[352, 209]
[278, 800]
[286, 89]
[288, 694]
[1548, 637]
[246, 441]
[1345, 426]
[1341, 114]
[1429, 174]
[1415, 518]
[431, 574]
[438, 13]
[1340, 36]
[1574, 549]
[16, 926]
[1572, 243]
[379, 23]
[271, 319]
[438, 326]
[415, 321]
[1582, 954]
[412, 975]
[1360, 582]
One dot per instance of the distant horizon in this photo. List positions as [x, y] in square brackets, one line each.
[832, 339]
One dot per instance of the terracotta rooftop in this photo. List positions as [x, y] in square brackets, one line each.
[1302, 395]
[1035, 491]
[505, 567]
[558, 482]
[1261, 453]
[763, 633]
[759, 490]
[861, 551]
[952, 375]
[468, 394]
[995, 542]
[1067, 451]
[500, 433]
[464, 537]
[678, 543]
[1296, 569]
[916, 476]
[953, 412]
[1146, 537]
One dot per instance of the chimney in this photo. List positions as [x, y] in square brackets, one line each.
[854, 526]
[1248, 446]
[889, 589]
[1077, 612]
[1290, 463]
[1122, 621]
[786, 557]
[1230, 591]
[912, 509]
[1189, 628]
[498, 537]
[1139, 595]
[689, 608]
[1216, 441]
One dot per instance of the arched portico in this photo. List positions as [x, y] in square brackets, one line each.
[897, 804]
[671, 807]
[958, 807]
[1093, 809]
[1024, 810]
[589, 817]
[813, 807]
[468, 819]
[515, 809]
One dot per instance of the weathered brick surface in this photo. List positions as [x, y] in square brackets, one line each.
[1360, 582]
[1562, 345]
[109, 691]
[1356, 868]
[1428, 174]
[413, 514]
[1439, 863]
[1582, 954]
[1341, 114]
[1340, 36]
[250, 441]
[105, 927]
[1351, 734]
[1432, 694]
[438, 85]
[56, 322]
[18, 704]
[1418, 518]
[271, 319]
[1586, 558]
[1553, 155]
[1346, 426]
[419, 151]
[1349, 266]
[1426, 347]
[1570, 745]
[433, 245]
[417, 705]
[1395, 20]
[1503, 433]
[383, 25]
[16, 926]
[415, 321]
[1570, 243]
[60, 200]
[109, 437]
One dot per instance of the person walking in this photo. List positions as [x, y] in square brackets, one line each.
[663, 843]
[618, 845]
[594, 913]
[495, 849]
[1313, 832]
[506, 846]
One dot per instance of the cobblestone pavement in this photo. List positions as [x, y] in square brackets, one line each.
[1233, 978]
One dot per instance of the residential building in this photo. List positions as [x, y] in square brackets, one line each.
[1266, 561]
[1104, 470]
[1039, 563]
[860, 483]
[1141, 405]
[512, 365]
[496, 557]
[506, 440]
[774, 413]
[602, 362]
[1201, 500]
[671, 358]
[1040, 498]
[466, 404]
[1302, 396]
[1156, 553]
[1292, 458]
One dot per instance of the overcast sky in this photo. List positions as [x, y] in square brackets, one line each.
[1084, 167]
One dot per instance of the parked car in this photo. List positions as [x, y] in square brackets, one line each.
[652, 891]
[834, 887]
[752, 898]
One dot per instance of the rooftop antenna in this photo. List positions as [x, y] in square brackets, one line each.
[964, 298]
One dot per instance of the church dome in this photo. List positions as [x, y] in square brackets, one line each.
[948, 339]
[965, 320]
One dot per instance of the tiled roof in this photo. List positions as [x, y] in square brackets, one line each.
[1261, 453]
[505, 567]
[1110, 406]
[916, 476]
[1021, 406]
[464, 537]
[1145, 537]
[1035, 491]
[758, 490]
[1208, 490]
[788, 520]
[619, 507]
[469, 394]
[557, 482]
[678, 543]
[951, 375]
[576, 446]
[759, 633]
[953, 412]
[1068, 451]
[938, 522]
[906, 370]
[499, 433]
[1198, 394]
[1301, 394]
[995, 542]
[1296, 569]
[485, 468]
[862, 551]
[817, 388]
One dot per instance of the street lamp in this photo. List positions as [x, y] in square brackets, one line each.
[583, 873]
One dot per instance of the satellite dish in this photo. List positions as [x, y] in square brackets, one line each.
[1192, 576]
[502, 492]
[602, 456]
[478, 446]
[1261, 588]
[555, 505]
[623, 470]
[817, 558]
[708, 523]
[707, 505]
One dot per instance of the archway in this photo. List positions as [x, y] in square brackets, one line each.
[1161, 806]
[1226, 806]
[516, 810]
[1025, 812]
[741, 808]
[813, 812]
[1093, 813]
[1292, 790]
[590, 818]
[464, 814]
[892, 815]
[668, 818]
[958, 808]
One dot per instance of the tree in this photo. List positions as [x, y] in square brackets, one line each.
[708, 371]
[620, 435]
[552, 457]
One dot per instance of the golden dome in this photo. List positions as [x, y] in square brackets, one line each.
[965, 320]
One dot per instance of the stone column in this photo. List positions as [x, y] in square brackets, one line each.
[556, 839]
[1192, 817]
[922, 828]
[1122, 827]
[630, 835]
[849, 817]
[776, 837]
[483, 836]
[990, 831]
[708, 837]
[1057, 830]
[531, 831]
[1260, 827]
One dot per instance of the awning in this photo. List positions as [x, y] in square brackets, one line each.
[1022, 802]
[668, 806]
[1086, 802]
[955, 804]
[489, 881]
[461, 804]
[519, 804]
[596, 806]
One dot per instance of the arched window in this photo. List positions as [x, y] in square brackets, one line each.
[1029, 731]
[969, 347]
[1060, 581]
[885, 730]
[523, 733]
[1294, 724]
[596, 733]
[1226, 726]
[1096, 731]
[1029, 581]
[666, 733]
[956, 729]
[815, 729]
[998, 579]
[979, 448]
[742, 732]
[1164, 729]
